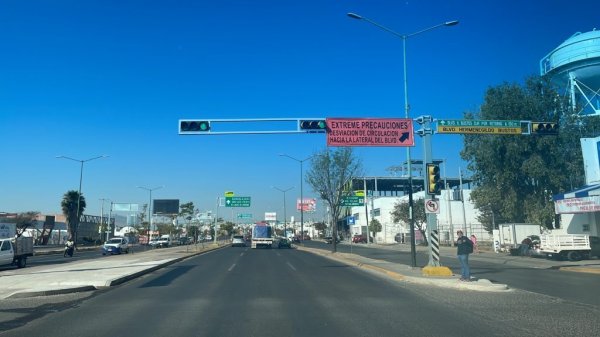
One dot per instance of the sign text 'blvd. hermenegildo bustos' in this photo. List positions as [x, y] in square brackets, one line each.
[369, 132]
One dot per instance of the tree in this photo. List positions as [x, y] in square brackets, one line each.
[516, 176]
[227, 226]
[142, 225]
[320, 226]
[400, 214]
[187, 211]
[375, 227]
[329, 173]
[23, 221]
[69, 204]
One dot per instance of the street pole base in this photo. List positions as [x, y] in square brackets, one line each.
[436, 271]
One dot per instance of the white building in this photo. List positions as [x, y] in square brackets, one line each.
[453, 215]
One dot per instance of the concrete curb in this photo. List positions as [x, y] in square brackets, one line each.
[439, 281]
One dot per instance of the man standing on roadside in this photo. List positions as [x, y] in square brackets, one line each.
[464, 248]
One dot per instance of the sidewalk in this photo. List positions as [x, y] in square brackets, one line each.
[85, 275]
[585, 266]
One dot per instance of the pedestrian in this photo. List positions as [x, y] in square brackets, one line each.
[475, 247]
[464, 248]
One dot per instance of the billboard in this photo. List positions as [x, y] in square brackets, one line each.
[308, 205]
[270, 216]
[165, 206]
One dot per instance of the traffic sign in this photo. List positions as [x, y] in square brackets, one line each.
[370, 132]
[229, 194]
[432, 206]
[244, 216]
[479, 126]
[352, 200]
[351, 220]
[237, 201]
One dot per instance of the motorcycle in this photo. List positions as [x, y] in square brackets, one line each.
[69, 250]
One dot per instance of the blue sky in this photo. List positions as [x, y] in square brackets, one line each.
[89, 78]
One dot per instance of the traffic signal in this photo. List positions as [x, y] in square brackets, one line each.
[317, 125]
[193, 126]
[544, 128]
[434, 183]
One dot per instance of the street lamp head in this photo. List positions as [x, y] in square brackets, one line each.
[451, 23]
[354, 16]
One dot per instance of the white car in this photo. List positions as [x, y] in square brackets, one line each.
[238, 240]
[116, 246]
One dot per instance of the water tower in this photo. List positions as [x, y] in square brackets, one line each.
[575, 66]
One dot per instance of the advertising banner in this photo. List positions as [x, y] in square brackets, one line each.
[309, 205]
[577, 205]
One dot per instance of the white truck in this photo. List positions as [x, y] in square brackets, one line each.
[262, 235]
[574, 247]
[14, 251]
[510, 235]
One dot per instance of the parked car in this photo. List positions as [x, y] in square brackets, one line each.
[329, 239]
[361, 239]
[296, 239]
[238, 241]
[115, 246]
[284, 243]
[185, 241]
[306, 237]
[153, 242]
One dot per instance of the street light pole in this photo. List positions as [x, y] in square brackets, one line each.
[406, 112]
[80, 181]
[301, 193]
[150, 208]
[284, 212]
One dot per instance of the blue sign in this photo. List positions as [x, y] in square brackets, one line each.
[351, 220]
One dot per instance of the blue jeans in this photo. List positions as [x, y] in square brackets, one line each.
[465, 272]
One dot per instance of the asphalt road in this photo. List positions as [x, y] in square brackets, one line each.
[577, 287]
[273, 292]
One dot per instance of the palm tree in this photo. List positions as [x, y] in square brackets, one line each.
[69, 208]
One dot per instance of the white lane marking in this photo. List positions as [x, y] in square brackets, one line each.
[289, 264]
[242, 254]
[231, 268]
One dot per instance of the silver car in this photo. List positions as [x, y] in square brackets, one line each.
[238, 241]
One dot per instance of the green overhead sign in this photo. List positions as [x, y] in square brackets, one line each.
[353, 201]
[237, 201]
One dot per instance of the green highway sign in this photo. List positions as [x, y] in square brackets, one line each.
[353, 201]
[244, 216]
[237, 201]
[480, 126]
[469, 122]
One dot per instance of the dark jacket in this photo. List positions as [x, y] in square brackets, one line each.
[464, 245]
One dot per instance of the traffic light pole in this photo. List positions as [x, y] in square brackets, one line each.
[425, 132]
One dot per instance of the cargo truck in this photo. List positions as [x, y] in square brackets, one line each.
[574, 247]
[262, 235]
[14, 249]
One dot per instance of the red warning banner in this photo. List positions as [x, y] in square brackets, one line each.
[370, 132]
